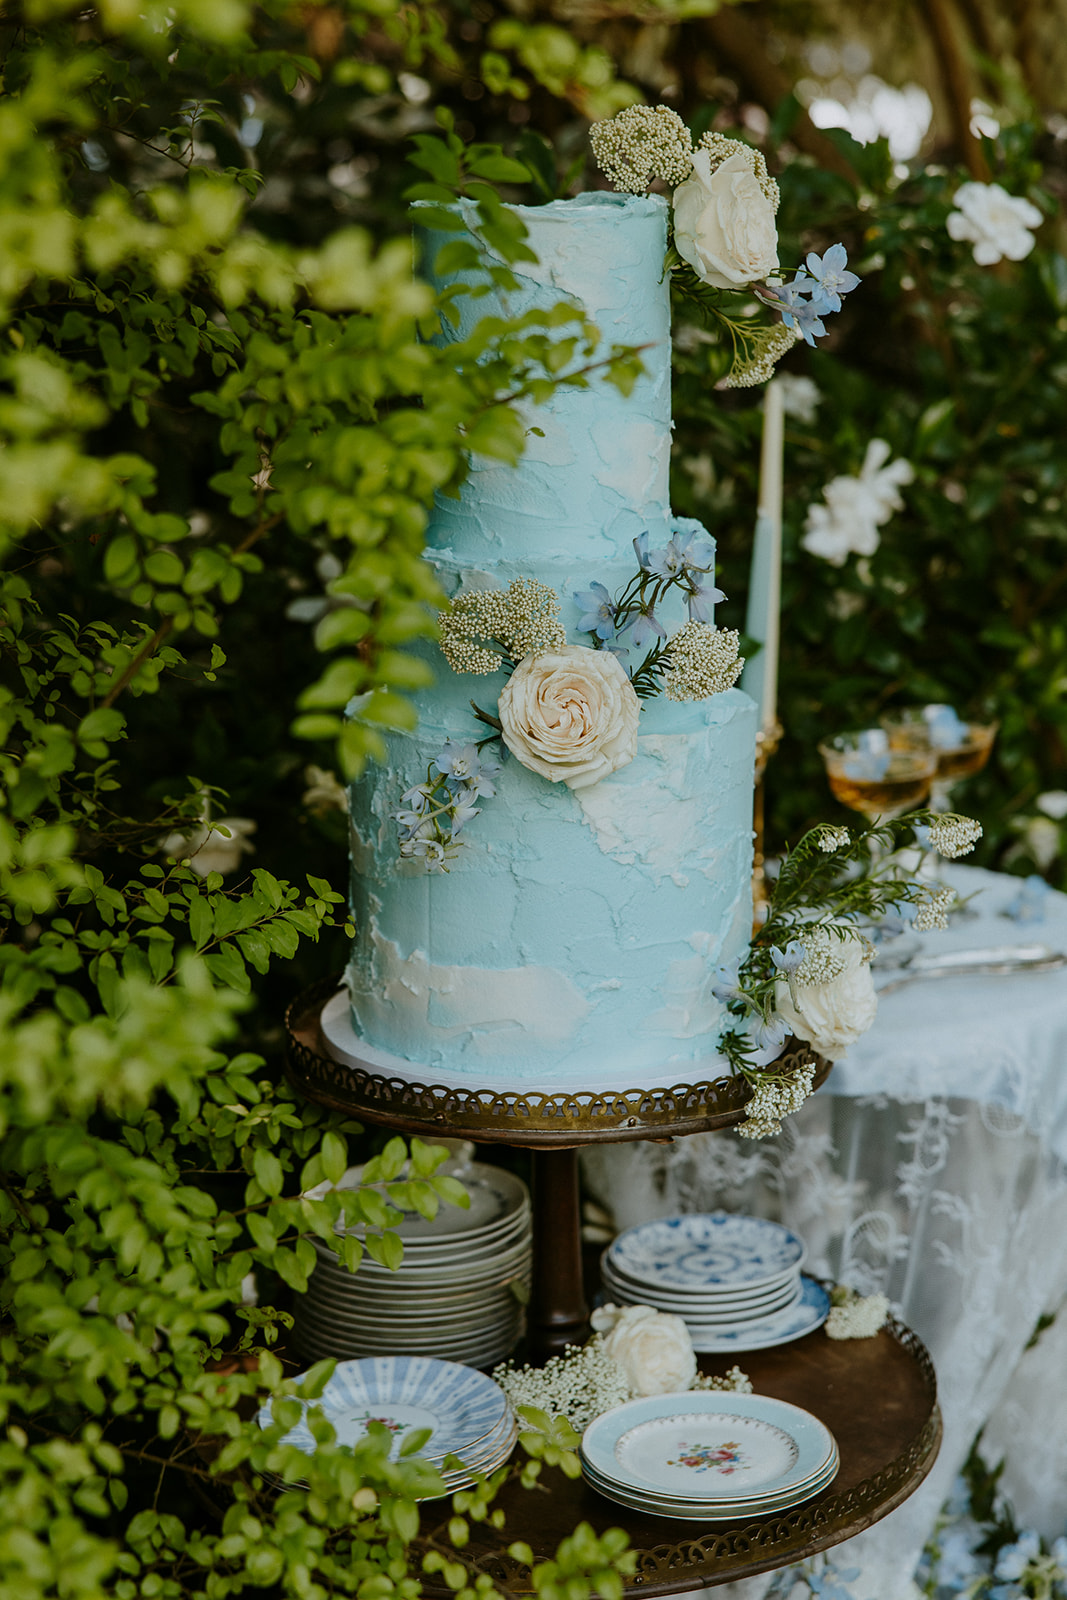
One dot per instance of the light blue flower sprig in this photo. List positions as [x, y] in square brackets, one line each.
[433, 814]
[815, 291]
[629, 620]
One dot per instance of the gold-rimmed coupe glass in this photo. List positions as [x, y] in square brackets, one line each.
[869, 775]
[961, 748]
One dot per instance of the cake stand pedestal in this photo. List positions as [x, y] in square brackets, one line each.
[552, 1126]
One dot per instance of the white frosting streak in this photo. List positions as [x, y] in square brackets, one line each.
[512, 1007]
[647, 814]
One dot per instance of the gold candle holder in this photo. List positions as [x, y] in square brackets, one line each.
[767, 741]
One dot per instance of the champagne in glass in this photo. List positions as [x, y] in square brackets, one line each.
[961, 748]
[868, 775]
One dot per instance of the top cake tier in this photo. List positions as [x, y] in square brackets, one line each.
[596, 475]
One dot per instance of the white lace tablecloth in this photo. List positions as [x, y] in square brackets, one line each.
[931, 1166]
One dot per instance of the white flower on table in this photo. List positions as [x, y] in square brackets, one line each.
[856, 507]
[995, 222]
[653, 1348]
[829, 999]
[724, 222]
[571, 715]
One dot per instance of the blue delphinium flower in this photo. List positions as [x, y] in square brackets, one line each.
[831, 274]
[789, 959]
[459, 761]
[644, 626]
[462, 810]
[798, 311]
[1014, 1559]
[597, 611]
[724, 982]
[768, 1036]
[703, 597]
[641, 550]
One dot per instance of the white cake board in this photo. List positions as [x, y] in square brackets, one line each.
[345, 1045]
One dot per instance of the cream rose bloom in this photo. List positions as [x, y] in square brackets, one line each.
[724, 223]
[833, 1014]
[653, 1349]
[570, 715]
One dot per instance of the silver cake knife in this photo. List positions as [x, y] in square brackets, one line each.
[990, 961]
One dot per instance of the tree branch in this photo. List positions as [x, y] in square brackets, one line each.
[956, 80]
[740, 42]
[149, 648]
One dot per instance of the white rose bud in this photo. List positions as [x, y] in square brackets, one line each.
[570, 715]
[724, 223]
[653, 1349]
[834, 1014]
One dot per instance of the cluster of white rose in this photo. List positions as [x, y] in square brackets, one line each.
[635, 1351]
[703, 661]
[522, 619]
[854, 1316]
[570, 714]
[829, 999]
[776, 1097]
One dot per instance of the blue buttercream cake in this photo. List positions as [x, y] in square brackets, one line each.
[574, 939]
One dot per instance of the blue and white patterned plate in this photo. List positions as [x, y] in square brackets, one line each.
[461, 1405]
[712, 1250]
[805, 1314]
[708, 1447]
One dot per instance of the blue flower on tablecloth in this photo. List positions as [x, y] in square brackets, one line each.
[957, 1561]
[1030, 904]
[831, 273]
[597, 611]
[1059, 1553]
[1014, 1559]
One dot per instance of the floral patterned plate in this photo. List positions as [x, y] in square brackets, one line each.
[713, 1250]
[708, 1447]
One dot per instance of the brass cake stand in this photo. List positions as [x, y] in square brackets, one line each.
[551, 1126]
[878, 1396]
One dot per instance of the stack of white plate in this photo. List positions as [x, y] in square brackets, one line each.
[468, 1413]
[458, 1294]
[735, 1280]
[709, 1457]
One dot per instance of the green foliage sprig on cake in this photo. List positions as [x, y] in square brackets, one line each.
[807, 971]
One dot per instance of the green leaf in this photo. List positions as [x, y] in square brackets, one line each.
[268, 1169]
[334, 1155]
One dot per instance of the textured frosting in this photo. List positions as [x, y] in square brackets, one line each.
[575, 937]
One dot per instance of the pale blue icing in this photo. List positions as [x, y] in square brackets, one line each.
[577, 933]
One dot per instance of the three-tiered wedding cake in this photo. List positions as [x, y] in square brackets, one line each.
[573, 940]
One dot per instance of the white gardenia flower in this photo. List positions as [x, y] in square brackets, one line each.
[855, 508]
[724, 223]
[995, 222]
[653, 1348]
[834, 1013]
[570, 715]
[800, 395]
[207, 849]
[1053, 803]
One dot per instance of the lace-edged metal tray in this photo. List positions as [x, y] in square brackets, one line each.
[548, 1121]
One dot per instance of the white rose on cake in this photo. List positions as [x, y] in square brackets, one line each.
[570, 715]
[653, 1348]
[724, 223]
[829, 999]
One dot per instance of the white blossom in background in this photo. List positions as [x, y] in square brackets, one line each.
[995, 222]
[323, 793]
[877, 111]
[855, 508]
[800, 396]
[207, 849]
[1053, 803]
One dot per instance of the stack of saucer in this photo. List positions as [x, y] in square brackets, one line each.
[458, 1294]
[736, 1281]
[468, 1413]
[709, 1457]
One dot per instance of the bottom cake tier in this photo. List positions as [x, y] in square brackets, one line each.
[576, 936]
